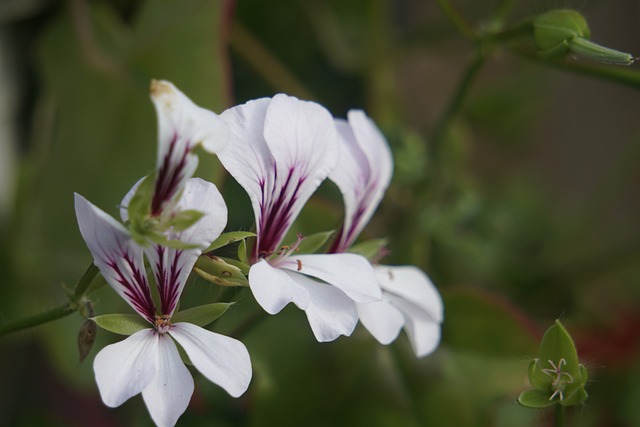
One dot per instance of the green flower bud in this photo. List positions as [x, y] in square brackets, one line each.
[556, 375]
[559, 32]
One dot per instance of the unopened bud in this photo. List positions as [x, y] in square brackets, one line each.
[86, 338]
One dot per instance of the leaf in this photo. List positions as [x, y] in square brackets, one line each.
[242, 253]
[201, 315]
[123, 324]
[369, 249]
[311, 244]
[227, 238]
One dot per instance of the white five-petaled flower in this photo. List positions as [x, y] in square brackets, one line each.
[409, 298]
[280, 151]
[148, 361]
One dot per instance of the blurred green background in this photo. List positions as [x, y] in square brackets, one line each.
[516, 189]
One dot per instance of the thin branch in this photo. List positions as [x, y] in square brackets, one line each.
[457, 20]
[38, 319]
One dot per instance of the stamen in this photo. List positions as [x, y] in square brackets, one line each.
[163, 323]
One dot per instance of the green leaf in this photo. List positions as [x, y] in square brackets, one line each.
[227, 238]
[369, 249]
[201, 315]
[311, 244]
[185, 219]
[534, 399]
[123, 324]
[242, 254]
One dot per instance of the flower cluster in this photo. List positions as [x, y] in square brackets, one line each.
[279, 150]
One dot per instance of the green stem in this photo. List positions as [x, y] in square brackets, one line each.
[38, 319]
[558, 416]
[457, 101]
[85, 281]
[457, 20]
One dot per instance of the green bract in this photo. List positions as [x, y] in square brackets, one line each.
[559, 32]
[556, 375]
[222, 271]
[123, 324]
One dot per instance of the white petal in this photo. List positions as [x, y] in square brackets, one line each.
[126, 368]
[224, 361]
[273, 289]
[423, 331]
[281, 150]
[181, 126]
[118, 257]
[412, 284]
[168, 395]
[350, 273]
[363, 173]
[330, 312]
[381, 319]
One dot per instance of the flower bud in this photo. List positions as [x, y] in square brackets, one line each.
[86, 338]
[559, 32]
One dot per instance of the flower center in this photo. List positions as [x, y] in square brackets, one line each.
[163, 323]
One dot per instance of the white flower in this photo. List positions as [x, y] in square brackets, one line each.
[409, 298]
[148, 361]
[280, 151]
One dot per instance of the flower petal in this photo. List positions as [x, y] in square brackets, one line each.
[126, 368]
[171, 267]
[330, 312]
[118, 257]
[168, 395]
[350, 273]
[281, 150]
[363, 173]
[423, 331]
[273, 289]
[182, 125]
[381, 319]
[224, 361]
[412, 284]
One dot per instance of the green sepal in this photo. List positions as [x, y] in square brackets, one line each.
[313, 243]
[242, 253]
[140, 203]
[216, 270]
[244, 268]
[535, 399]
[201, 315]
[554, 28]
[227, 238]
[183, 220]
[123, 324]
[369, 249]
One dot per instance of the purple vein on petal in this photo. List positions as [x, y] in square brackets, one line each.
[136, 288]
[276, 210]
[168, 277]
[170, 176]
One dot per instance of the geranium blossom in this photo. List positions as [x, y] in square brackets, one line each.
[148, 361]
[409, 298]
[280, 151]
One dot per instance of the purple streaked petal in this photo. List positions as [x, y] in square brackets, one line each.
[171, 267]
[281, 150]
[182, 125]
[350, 273]
[168, 395]
[330, 312]
[222, 360]
[363, 174]
[126, 368]
[118, 257]
[273, 289]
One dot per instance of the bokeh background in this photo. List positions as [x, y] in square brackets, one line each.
[521, 205]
